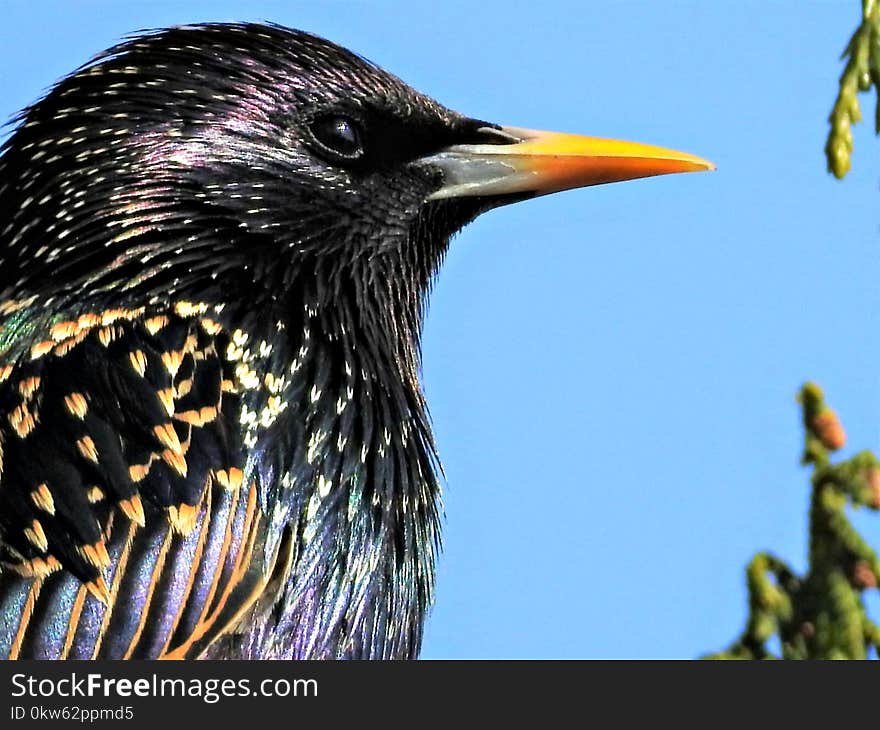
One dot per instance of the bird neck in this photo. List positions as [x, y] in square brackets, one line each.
[339, 441]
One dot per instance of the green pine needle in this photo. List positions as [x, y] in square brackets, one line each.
[862, 71]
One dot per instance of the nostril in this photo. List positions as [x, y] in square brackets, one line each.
[481, 132]
[494, 135]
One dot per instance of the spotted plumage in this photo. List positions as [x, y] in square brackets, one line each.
[216, 243]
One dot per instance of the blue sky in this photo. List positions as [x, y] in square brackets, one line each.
[611, 371]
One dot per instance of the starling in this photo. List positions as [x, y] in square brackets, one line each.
[216, 245]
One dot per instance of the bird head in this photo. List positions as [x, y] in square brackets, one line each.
[226, 160]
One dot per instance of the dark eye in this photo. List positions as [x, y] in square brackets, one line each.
[339, 135]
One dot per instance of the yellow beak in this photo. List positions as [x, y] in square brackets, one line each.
[531, 161]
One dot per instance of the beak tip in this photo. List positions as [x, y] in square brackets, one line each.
[692, 163]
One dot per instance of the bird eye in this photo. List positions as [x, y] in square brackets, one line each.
[339, 135]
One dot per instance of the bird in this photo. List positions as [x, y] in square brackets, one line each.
[217, 245]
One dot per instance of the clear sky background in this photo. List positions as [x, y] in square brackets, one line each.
[611, 371]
